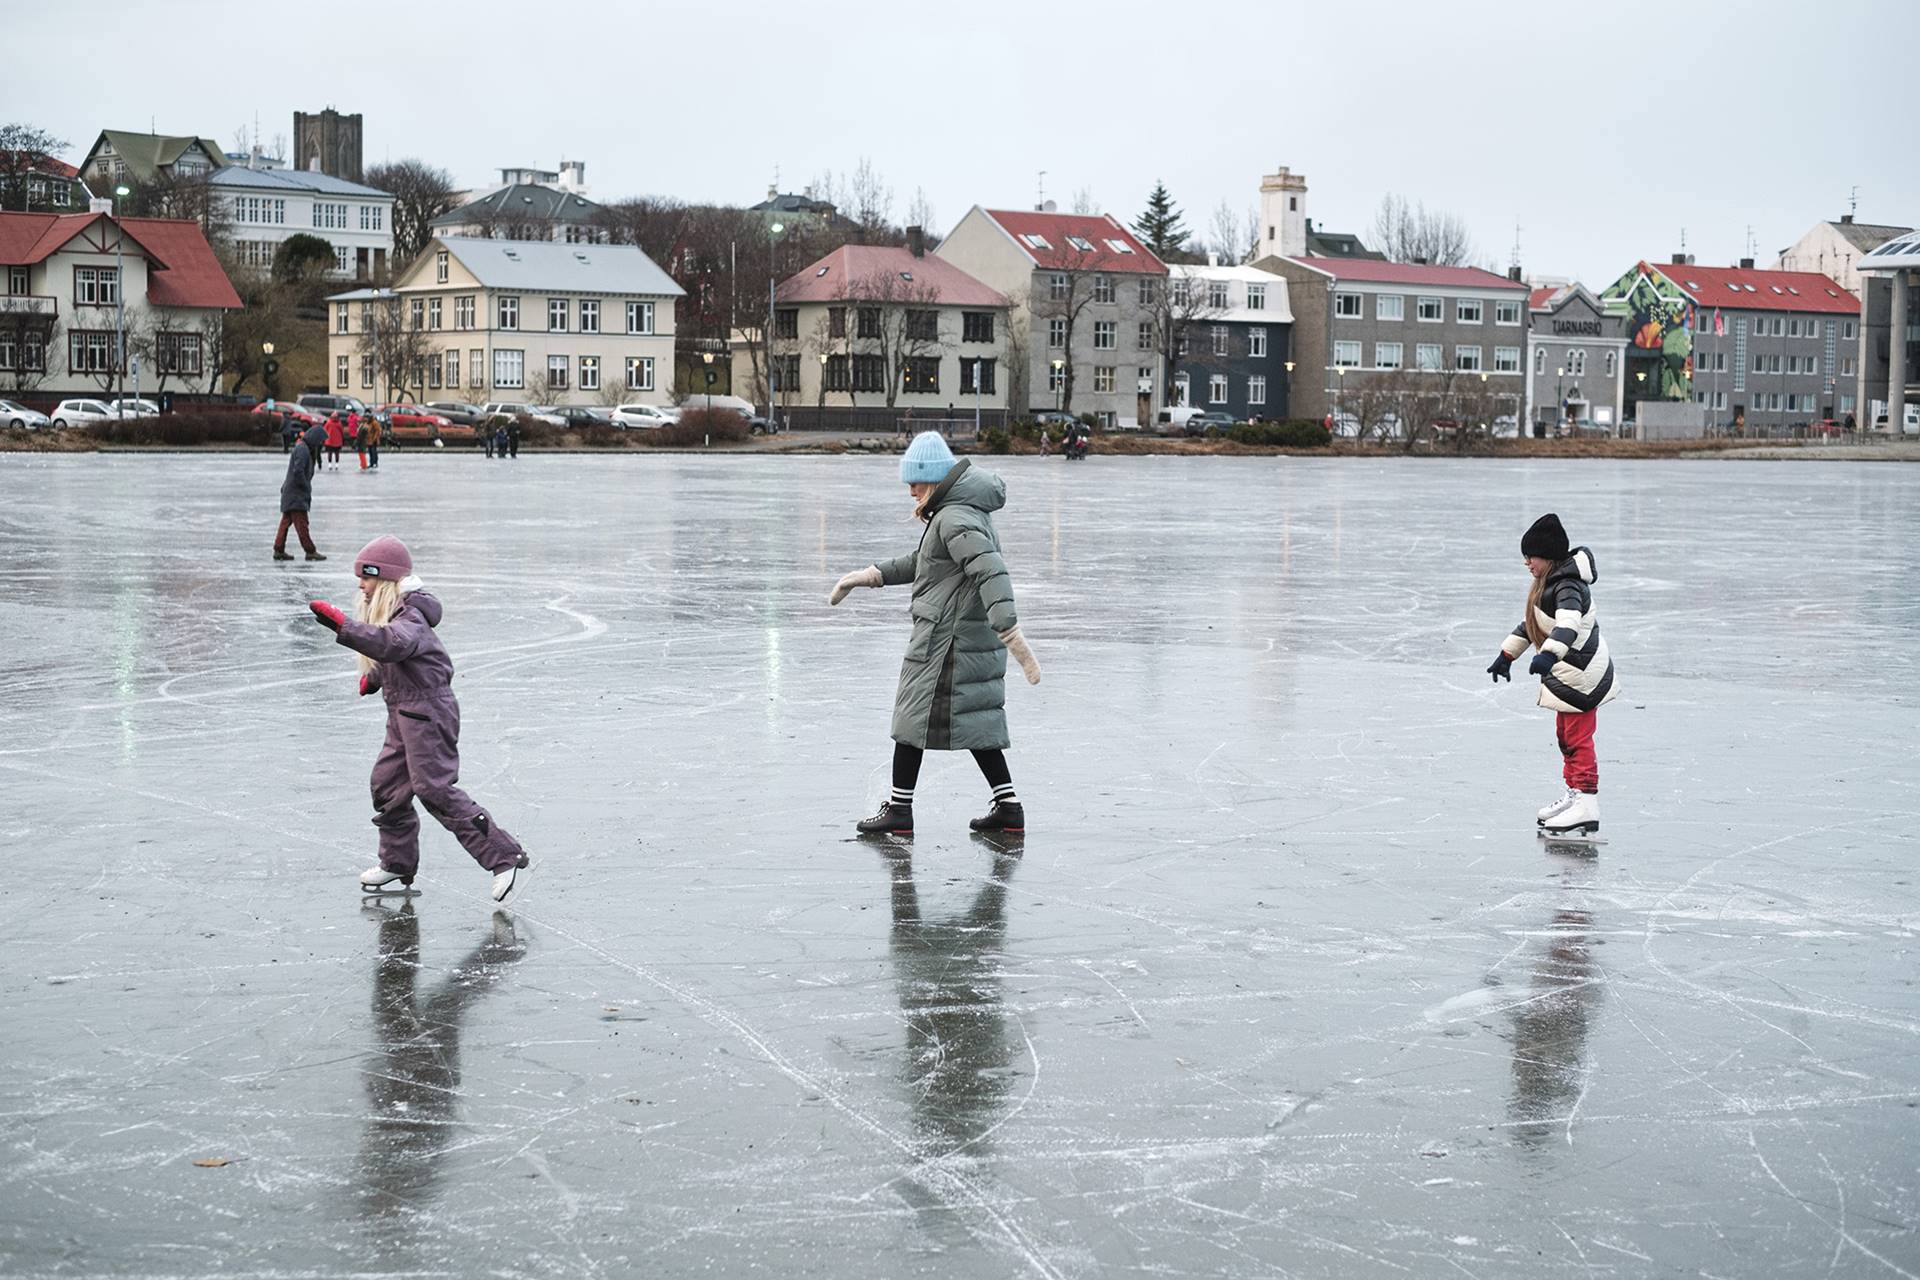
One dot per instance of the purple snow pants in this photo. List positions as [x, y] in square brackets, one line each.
[421, 760]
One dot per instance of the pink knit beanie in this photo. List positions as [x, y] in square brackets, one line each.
[384, 557]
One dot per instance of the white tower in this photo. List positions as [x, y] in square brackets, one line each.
[1283, 215]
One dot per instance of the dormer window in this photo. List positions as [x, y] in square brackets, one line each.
[1081, 243]
[1036, 241]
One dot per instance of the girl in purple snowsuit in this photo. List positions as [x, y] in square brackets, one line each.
[402, 658]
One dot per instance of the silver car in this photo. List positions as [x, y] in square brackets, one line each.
[17, 415]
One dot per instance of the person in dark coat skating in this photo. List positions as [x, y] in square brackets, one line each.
[402, 658]
[952, 693]
[296, 496]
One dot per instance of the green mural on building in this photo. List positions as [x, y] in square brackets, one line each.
[1659, 322]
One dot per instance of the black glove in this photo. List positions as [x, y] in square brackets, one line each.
[1542, 663]
[1502, 669]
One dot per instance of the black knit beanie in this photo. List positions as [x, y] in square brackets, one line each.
[1546, 539]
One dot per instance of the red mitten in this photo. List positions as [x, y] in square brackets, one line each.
[329, 617]
[366, 684]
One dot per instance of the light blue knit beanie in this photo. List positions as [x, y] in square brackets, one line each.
[927, 460]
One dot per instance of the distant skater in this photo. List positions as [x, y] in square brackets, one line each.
[403, 659]
[357, 435]
[952, 692]
[335, 434]
[370, 433]
[296, 496]
[1575, 670]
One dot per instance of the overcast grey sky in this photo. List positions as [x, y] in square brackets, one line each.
[1602, 129]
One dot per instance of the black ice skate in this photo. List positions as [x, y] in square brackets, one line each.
[380, 882]
[892, 820]
[1004, 818]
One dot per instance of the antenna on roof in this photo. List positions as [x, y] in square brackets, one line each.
[1683, 240]
[1040, 199]
[1516, 243]
[1853, 200]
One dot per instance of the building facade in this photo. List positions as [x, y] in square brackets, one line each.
[1381, 345]
[1084, 302]
[1890, 333]
[1834, 250]
[328, 143]
[526, 211]
[1576, 361]
[266, 207]
[90, 306]
[1758, 349]
[142, 159]
[485, 320]
[875, 327]
[1228, 340]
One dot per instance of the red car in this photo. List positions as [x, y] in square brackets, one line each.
[412, 423]
[286, 409]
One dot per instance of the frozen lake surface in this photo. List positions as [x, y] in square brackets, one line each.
[1281, 982]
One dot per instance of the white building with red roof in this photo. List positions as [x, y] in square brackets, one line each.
[61, 316]
[887, 329]
[1085, 302]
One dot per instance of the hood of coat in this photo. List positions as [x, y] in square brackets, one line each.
[313, 437]
[966, 487]
[415, 596]
[1578, 564]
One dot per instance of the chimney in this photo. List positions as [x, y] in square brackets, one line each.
[100, 204]
[1846, 219]
[1679, 259]
[1746, 264]
[917, 242]
[1213, 259]
[1419, 262]
[1513, 273]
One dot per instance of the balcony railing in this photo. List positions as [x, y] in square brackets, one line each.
[29, 304]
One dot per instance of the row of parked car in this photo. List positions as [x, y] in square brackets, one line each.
[455, 420]
[79, 412]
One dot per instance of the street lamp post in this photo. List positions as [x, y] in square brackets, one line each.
[1641, 376]
[1339, 381]
[976, 396]
[1559, 396]
[706, 359]
[773, 268]
[1289, 386]
[267, 370]
[120, 309]
[821, 421]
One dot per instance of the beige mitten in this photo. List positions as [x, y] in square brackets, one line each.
[1017, 646]
[867, 577]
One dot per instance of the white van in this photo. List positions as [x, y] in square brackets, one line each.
[729, 404]
[1910, 420]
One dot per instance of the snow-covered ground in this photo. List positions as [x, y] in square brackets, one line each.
[1281, 982]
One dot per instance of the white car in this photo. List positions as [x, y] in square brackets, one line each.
[510, 409]
[129, 407]
[13, 414]
[81, 413]
[642, 417]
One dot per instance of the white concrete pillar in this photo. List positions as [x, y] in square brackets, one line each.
[1897, 358]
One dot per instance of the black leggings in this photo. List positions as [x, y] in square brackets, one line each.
[906, 766]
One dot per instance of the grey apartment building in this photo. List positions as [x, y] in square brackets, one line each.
[1576, 361]
[1367, 331]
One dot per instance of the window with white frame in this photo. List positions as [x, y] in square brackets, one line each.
[1793, 326]
[1256, 297]
[1426, 357]
[1506, 359]
[1103, 379]
[1180, 292]
[639, 317]
[435, 315]
[260, 211]
[366, 373]
[463, 311]
[1057, 334]
[477, 369]
[340, 318]
[558, 369]
[1146, 336]
[417, 314]
[1219, 339]
[1428, 310]
[328, 216]
[1105, 335]
[1577, 362]
[557, 313]
[440, 267]
[372, 216]
[1390, 306]
[1346, 306]
[1057, 286]
[1388, 355]
[1466, 359]
[1217, 388]
[1506, 313]
[1257, 389]
[1539, 360]
[1182, 389]
[1103, 288]
[639, 373]
[589, 373]
[433, 373]
[1346, 355]
[1846, 330]
[589, 315]
[452, 362]
[96, 286]
[1217, 295]
[509, 316]
[509, 368]
[1257, 342]
[342, 259]
[342, 371]
[1468, 310]
[1081, 243]
[1147, 291]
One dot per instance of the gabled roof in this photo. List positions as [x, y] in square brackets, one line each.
[1336, 244]
[1866, 236]
[145, 154]
[182, 270]
[39, 162]
[1412, 274]
[1542, 298]
[1049, 241]
[786, 202]
[847, 270]
[301, 181]
[1751, 289]
[522, 200]
[535, 265]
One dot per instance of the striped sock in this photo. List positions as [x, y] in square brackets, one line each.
[1003, 794]
[902, 798]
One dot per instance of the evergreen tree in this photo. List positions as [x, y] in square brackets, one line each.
[1160, 227]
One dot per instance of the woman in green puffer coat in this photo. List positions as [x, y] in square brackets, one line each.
[952, 694]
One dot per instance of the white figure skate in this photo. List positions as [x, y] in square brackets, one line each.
[380, 882]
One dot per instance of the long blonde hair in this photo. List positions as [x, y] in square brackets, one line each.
[1534, 631]
[376, 609]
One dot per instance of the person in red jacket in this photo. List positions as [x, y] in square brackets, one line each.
[335, 432]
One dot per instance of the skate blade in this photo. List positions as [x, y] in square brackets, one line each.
[1003, 841]
[384, 891]
[1571, 837]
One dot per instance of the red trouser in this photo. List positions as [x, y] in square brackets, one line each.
[297, 521]
[1581, 767]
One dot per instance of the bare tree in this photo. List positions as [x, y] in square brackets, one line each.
[871, 199]
[1076, 280]
[1182, 303]
[886, 318]
[421, 192]
[920, 214]
[1234, 237]
[27, 154]
[30, 334]
[399, 350]
[1413, 233]
[1083, 201]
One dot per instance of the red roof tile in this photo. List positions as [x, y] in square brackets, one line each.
[1058, 253]
[1751, 289]
[40, 163]
[183, 271]
[1544, 295]
[1374, 271]
[847, 268]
